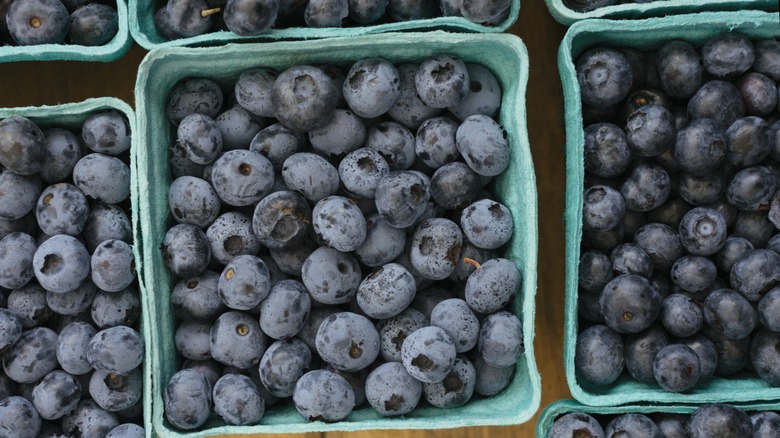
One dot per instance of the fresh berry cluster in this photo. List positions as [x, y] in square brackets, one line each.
[336, 243]
[707, 421]
[70, 308]
[81, 22]
[187, 18]
[679, 268]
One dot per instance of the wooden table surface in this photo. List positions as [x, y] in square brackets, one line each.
[49, 83]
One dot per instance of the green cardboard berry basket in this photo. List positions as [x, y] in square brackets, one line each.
[505, 55]
[642, 34]
[562, 407]
[562, 13]
[111, 51]
[72, 116]
[143, 30]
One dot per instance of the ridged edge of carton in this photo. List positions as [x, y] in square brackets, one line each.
[142, 15]
[111, 51]
[408, 45]
[743, 387]
[657, 8]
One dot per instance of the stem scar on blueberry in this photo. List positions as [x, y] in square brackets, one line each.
[355, 351]
[229, 274]
[35, 22]
[242, 329]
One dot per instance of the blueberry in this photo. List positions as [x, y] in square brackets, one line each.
[394, 142]
[700, 147]
[641, 349]
[238, 127]
[197, 298]
[435, 141]
[282, 364]
[727, 54]
[751, 187]
[277, 142]
[676, 368]
[729, 314]
[572, 423]
[361, 170]
[32, 356]
[604, 76]
[606, 150]
[285, 309]
[237, 400]
[717, 100]
[367, 11]
[442, 81]
[428, 354]
[339, 223]
[17, 251]
[661, 243]
[394, 330]
[311, 175]
[483, 144]
[304, 98]
[290, 261]
[127, 430]
[594, 271]
[456, 318]
[602, 209]
[650, 130]
[163, 24]
[236, 340]
[599, 358]
[391, 391]
[19, 418]
[702, 231]
[748, 141]
[11, 325]
[733, 355]
[605, 240]
[231, 235]
[186, 250]
[62, 209]
[331, 276]
[37, 22]
[409, 110]
[347, 341]
[61, 263]
[26, 190]
[484, 96]
[115, 392]
[386, 292]
[193, 95]
[765, 424]
[766, 58]
[190, 18]
[769, 310]
[764, 355]
[187, 399]
[250, 17]
[244, 282]
[282, 220]
[194, 201]
[679, 69]
[199, 138]
[492, 285]
[326, 13]
[681, 316]
[756, 273]
[321, 395]
[407, 10]
[113, 266]
[116, 349]
[93, 25]
[71, 349]
[484, 11]
[308, 332]
[344, 133]
[632, 424]
[22, 144]
[116, 308]
[754, 226]
[672, 212]
[63, 150]
[102, 177]
[192, 340]
[759, 93]
[701, 190]
[719, 419]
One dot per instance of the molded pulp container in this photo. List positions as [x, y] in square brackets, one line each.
[505, 55]
[110, 51]
[642, 34]
[562, 407]
[71, 116]
[143, 30]
[655, 8]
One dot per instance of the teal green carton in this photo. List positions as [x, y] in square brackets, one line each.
[562, 407]
[505, 55]
[641, 34]
[655, 8]
[143, 30]
[111, 51]
[72, 116]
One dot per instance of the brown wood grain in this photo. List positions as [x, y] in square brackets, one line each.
[41, 83]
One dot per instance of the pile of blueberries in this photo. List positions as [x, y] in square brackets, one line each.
[679, 272]
[336, 242]
[707, 421]
[188, 18]
[69, 306]
[81, 22]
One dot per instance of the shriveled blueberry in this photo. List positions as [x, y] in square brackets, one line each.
[402, 197]
[394, 142]
[116, 308]
[56, 394]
